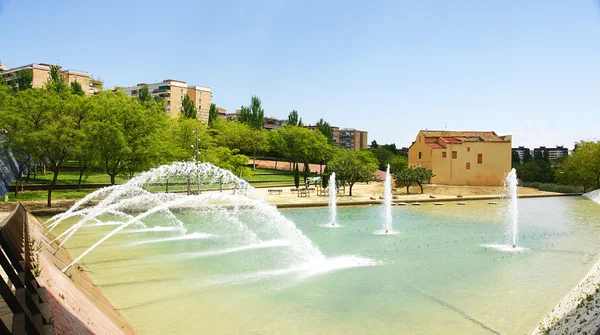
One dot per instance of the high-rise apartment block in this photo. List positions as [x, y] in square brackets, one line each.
[173, 92]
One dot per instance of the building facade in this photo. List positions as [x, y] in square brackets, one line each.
[41, 73]
[462, 157]
[173, 92]
[353, 139]
[553, 153]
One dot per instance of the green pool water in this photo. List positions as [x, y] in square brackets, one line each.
[437, 276]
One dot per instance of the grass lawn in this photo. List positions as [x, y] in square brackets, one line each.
[43, 195]
[71, 178]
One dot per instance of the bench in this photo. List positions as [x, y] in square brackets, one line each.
[303, 192]
[278, 192]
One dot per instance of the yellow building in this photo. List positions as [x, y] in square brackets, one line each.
[480, 158]
[173, 91]
[41, 74]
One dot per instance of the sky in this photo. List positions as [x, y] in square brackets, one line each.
[527, 68]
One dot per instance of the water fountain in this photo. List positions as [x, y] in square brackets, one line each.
[386, 227]
[511, 214]
[240, 222]
[511, 183]
[332, 202]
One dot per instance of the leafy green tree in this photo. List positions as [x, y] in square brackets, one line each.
[405, 178]
[76, 88]
[325, 177]
[240, 136]
[325, 129]
[188, 109]
[353, 166]
[277, 146]
[296, 176]
[56, 82]
[253, 115]
[213, 114]
[583, 166]
[374, 144]
[420, 175]
[24, 79]
[292, 119]
[398, 162]
[516, 160]
[306, 171]
[144, 95]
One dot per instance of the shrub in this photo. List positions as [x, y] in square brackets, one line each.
[548, 187]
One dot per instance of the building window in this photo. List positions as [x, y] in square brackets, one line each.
[453, 154]
[468, 166]
[443, 154]
[468, 149]
[479, 158]
[419, 155]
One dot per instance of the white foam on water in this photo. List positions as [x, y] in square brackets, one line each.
[260, 245]
[301, 272]
[329, 225]
[504, 247]
[594, 196]
[192, 236]
[389, 232]
[153, 229]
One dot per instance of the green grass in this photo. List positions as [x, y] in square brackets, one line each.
[43, 195]
[71, 178]
[547, 187]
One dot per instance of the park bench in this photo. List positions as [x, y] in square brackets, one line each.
[303, 192]
[278, 192]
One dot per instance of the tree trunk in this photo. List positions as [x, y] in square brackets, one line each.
[421, 186]
[17, 184]
[351, 184]
[80, 176]
[321, 169]
[54, 179]
[254, 161]
[276, 158]
[407, 186]
[112, 179]
[28, 172]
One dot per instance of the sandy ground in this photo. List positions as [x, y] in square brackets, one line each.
[369, 192]
[77, 306]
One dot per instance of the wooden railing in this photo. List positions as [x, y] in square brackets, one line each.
[21, 292]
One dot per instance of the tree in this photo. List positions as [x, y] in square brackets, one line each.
[325, 129]
[240, 136]
[56, 82]
[353, 166]
[76, 88]
[144, 95]
[277, 146]
[187, 108]
[516, 160]
[292, 119]
[421, 174]
[24, 79]
[404, 177]
[296, 176]
[254, 115]
[213, 114]
[583, 166]
[374, 145]
[306, 172]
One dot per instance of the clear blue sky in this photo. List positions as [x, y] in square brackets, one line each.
[530, 68]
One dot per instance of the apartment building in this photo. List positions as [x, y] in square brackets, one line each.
[480, 158]
[553, 153]
[221, 113]
[353, 139]
[522, 152]
[41, 74]
[173, 92]
[335, 132]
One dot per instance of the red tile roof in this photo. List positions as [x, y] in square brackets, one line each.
[450, 139]
[434, 145]
[467, 136]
